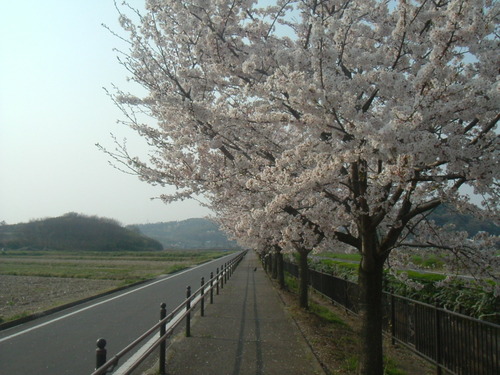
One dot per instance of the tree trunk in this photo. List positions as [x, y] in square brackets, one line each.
[274, 259]
[370, 283]
[303, 279]
[281, 271]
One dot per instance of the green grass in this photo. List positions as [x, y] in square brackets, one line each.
[391, 367]
[325, 314]
[431, 261]
[423, 276]
[170, 255]
[175, 268]
[339, 263]
[122, 268]
[130, 267]
[346, 334]
[291, 283]
[341, 269]
[79, 270]
[350, 364]
[353, 256]
[17, 316]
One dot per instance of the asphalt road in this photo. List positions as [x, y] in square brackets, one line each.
[65, 342]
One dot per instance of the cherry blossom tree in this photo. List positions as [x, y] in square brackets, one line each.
[272, 233]
[328, 121]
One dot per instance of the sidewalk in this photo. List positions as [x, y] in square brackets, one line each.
[245, 331]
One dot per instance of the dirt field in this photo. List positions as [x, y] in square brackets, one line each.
[33, 282]
[25, 295]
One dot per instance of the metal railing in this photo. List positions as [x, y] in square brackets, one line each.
[456, 343]
[165, 326]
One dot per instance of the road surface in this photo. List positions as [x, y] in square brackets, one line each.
[64, 342]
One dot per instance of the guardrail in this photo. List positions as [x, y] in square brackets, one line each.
[453, 342]
[166, 325]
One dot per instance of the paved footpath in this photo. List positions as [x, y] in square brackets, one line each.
[246, 331]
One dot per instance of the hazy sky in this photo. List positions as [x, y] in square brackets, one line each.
[55, 59]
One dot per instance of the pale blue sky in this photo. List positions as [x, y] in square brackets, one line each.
[55, 57]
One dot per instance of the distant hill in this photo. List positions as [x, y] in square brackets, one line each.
[445, 215]
[205, 234]
[75, 232]
[79, 232]
[187, 234]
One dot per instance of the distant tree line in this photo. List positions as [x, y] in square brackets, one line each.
[187, 234]
[75, 232]
[444, 215]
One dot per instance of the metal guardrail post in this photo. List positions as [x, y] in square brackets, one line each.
[163, 345]
[222, 276]
[346, 294]
[217, 281]
[439, 369]
[100, 353]
[103, 366]
[188, 316]
[202, 296]
[393, 320]
[211, 288]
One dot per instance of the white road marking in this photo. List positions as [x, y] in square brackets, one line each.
[101, 303]
[131, 361]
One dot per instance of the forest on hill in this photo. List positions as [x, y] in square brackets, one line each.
[444, 215]
[187, 234]
[75, 232]
[205, 233]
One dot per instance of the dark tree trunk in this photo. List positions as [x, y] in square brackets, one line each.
[281, 271]
[370, 283]
[370, 273]
[303, 279]
[274, 259]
